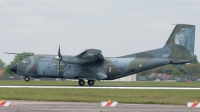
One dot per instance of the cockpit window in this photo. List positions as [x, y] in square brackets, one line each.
[26, 61]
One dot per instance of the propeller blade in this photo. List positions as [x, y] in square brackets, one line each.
[18, 53]
[12, 53]
[58, 67]
[60, 59]
[59, 53]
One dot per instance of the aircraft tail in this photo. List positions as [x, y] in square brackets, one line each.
[181, 42]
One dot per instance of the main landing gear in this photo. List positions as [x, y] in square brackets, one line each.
[26, 78]
[90, 82]
[81, 82]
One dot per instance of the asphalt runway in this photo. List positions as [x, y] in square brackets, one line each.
[40, 106]
[94, 87]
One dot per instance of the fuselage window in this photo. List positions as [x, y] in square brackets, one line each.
[26, 61]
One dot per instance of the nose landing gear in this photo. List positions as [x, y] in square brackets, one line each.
[26, 78]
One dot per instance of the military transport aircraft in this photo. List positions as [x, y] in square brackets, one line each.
[91, 65]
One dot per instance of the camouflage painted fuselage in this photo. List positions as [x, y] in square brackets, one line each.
[178, 49]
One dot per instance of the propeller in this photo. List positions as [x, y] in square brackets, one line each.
[59, 59]
[18, 53]
[59, 54]
[12, 53]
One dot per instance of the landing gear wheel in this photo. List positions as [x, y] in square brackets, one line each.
[27, 78]
[91, 82]
[81, 82]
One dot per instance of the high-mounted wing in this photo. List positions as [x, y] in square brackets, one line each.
[88, 56]
[91, 54]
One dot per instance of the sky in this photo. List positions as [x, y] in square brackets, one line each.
[116, 27]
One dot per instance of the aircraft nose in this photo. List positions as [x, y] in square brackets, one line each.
[14, 68]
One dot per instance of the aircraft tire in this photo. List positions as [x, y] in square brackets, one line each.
[91, 82]
[81, 82]
[27, 78]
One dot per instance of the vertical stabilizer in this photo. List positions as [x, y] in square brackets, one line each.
[181, 42]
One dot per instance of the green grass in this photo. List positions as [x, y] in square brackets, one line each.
[101, 83]
[175, 97]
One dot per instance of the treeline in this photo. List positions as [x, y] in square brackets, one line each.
[2, 65]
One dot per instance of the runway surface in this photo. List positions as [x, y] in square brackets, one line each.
[94, 87]
[40, 106]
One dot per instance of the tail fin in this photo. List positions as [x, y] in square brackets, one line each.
[181, 42]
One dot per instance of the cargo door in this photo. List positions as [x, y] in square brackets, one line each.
[43, 67]
[52, 68]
